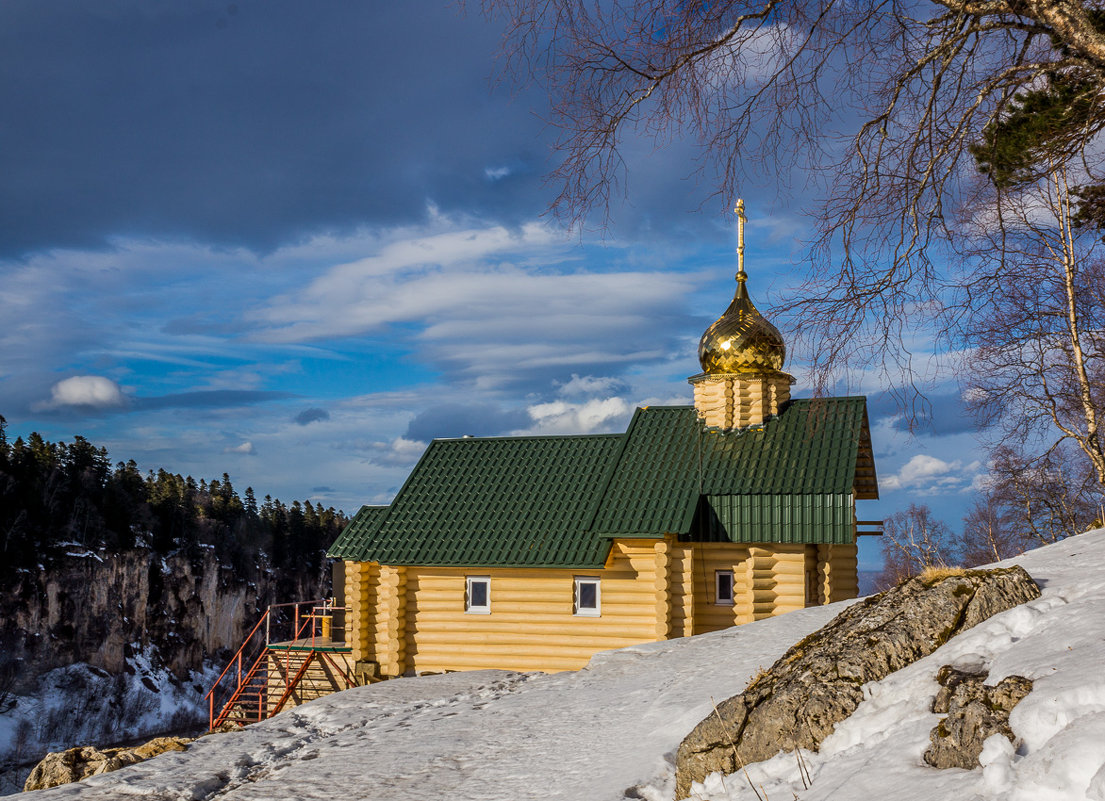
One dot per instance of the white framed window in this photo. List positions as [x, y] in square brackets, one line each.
[723, 587]
[477, 595]
[588, 600]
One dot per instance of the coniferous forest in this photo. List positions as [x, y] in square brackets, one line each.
[55, 497]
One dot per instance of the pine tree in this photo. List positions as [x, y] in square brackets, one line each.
[250, 503]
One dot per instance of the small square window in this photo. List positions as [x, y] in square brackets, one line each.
[477, 595]
[587, 598]
[723, 587]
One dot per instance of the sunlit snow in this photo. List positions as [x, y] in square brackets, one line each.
[610, 731]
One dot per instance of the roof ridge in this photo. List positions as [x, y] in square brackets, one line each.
[509, 437]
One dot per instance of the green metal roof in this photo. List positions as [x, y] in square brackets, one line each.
[483, 502]
[670, 460]
[351, 541]
[558, 501]
[821, 518]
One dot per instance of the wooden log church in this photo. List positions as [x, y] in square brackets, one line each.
[534, 553]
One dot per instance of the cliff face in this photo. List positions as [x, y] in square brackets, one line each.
[107, 648]
[102, 608]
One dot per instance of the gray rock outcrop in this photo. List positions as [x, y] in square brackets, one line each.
[82, 762]
[819, 681]
[974, 712]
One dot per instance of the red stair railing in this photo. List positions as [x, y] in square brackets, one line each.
[240, 670]
[245, 676]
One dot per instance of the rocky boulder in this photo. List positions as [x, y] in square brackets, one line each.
[82, 762]
[819, 681]
[974, 712]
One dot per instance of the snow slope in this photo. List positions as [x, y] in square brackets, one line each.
[610, 731]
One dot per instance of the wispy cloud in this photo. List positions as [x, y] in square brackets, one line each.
[496, 173]
[579, 385]
[488, 305]
[932, 474]
[390, 286]
[208, 399]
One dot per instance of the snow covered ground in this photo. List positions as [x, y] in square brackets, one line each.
[610, 731]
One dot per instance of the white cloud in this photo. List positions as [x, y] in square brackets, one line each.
[930, 473]
[579, 385]
[596, 415]
[400, 452]
[386, 287]
[84, 391]
[750, 59]
[496, 173]
[245, 447]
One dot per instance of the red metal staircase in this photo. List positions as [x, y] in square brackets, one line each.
[264, 675]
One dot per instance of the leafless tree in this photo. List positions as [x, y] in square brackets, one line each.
[913, 540]
[1032, 500]
[892, 106]
[989, 534]
[883, 99]
[1034, 367]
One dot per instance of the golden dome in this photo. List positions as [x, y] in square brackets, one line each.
[741, 340]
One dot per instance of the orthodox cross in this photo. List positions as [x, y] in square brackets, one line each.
[740, 240]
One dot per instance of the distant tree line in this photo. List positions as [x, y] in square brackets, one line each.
[55, 497]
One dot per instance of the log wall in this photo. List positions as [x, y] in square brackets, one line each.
[412, 619]
[361, 584]
[681, 582]
[419, 623]
[768, 579]
[707, 559]
[839, 571]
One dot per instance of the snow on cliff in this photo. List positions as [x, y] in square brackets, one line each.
[610, 731]
[81, 705]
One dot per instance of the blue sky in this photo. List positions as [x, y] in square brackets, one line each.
[295, 241]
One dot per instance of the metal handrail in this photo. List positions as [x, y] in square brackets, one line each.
[297, 605]
[319, 609]
[237, 661]
[238, 656]
[214, 720]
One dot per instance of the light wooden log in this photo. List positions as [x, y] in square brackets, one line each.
[562, 616]
[617, 593]
[578, 627]
[546, 649]
[592, 640]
